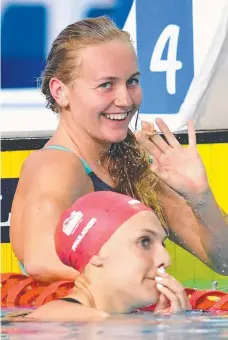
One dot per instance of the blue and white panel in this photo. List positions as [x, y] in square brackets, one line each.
[179, 45]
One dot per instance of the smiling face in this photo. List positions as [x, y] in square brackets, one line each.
[105, 93]
[131, 258]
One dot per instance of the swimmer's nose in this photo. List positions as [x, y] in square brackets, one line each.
[162, 258]
[123, 98]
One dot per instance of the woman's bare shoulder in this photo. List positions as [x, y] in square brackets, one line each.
[53, 170]
[46, 159]
[61, 310]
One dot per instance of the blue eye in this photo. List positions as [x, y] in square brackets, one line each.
[145, 242]
[106, 85]
[133, 82]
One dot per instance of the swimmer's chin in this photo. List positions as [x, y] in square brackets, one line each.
[145, 304]
[116, 139]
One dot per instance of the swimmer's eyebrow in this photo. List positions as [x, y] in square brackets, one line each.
[154, 233]
[150, 231]
[115, 78]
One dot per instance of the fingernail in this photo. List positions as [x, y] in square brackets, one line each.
[158, 278]
[159, 286]
[161, 270]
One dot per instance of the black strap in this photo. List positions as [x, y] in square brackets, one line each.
[69, 299]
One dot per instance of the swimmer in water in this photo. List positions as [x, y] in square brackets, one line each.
[117, 245]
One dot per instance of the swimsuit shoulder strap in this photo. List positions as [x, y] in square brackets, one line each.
[88, 170]
[57, 147]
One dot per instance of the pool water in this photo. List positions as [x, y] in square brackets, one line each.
[190, 325]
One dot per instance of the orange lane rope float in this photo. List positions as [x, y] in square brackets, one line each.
[19, 290]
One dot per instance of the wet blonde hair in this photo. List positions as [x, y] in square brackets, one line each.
[126, 161]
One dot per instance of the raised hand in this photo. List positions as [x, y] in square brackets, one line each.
[178, 166]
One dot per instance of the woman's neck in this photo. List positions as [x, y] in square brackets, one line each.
[97, 296]
[107, 300]
[80, 142]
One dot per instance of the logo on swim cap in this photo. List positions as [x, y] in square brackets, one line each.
[84, 231]
[133, 202]
[72, 222]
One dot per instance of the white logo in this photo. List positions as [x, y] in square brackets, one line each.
[72, 222]
[133, 202]
[85, 230]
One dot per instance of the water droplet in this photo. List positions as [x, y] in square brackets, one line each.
[215, 285]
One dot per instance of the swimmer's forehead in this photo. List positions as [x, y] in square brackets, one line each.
[145, 221]
[121, 61]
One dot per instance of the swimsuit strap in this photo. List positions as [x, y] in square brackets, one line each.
[88, 170]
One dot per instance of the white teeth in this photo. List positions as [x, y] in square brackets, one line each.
[119, 116]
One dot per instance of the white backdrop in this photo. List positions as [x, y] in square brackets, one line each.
[23, 111]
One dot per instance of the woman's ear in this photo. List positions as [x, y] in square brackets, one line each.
[59, 92]
[97, 261]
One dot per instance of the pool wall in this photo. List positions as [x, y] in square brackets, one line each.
[213, 148]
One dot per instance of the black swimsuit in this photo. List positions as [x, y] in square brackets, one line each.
[98, 184]
[69, 299]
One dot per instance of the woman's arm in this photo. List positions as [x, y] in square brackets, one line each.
[189, 231]
[195, 220]
[48, 185]
[213, 229]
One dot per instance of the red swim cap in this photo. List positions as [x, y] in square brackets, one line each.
[89, 223]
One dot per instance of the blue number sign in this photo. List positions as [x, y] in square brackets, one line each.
[165, 50]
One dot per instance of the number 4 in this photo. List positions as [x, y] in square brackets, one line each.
[169, 35]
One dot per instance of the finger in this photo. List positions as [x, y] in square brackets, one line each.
[171, 139]
[176, 287]
[175, 303]
[163, 302]
[150, 132]
[149, 146]
[147, 127]
[188, 305]
[191, 134]
[154, 164]
[160, 143]
[170, 283]
[184, 302]
[157, 170]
